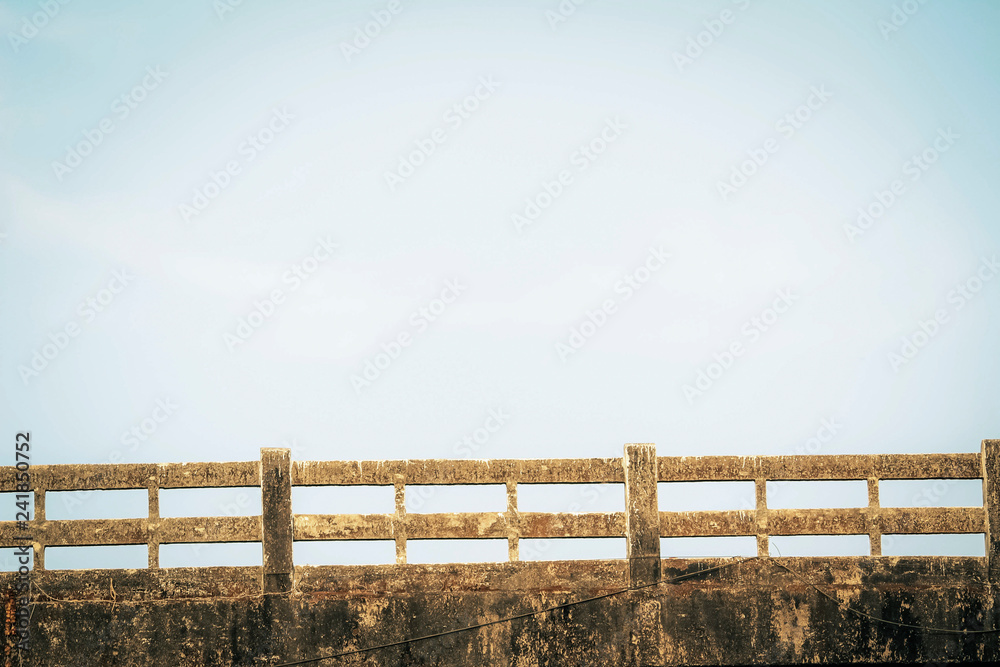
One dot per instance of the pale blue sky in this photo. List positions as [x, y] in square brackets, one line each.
[201, 85]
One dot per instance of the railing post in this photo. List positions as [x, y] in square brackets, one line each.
[763, 532]
[513, 523]
[642, 515]
[152, 523]
[38, 557]
[276, 519]
[874, 520]
[991, 505]
[399, 518]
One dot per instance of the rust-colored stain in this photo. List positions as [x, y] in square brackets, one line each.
[10, 626]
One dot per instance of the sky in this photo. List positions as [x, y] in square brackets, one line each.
[436, 229]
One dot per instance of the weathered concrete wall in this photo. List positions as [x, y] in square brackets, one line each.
[753, 612]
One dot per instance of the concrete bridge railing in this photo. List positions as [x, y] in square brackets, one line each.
[641, 524]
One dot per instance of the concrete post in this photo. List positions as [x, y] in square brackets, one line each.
[276, 519]
[991, 504]
[642, 515]
[763, 531]
[153, 539]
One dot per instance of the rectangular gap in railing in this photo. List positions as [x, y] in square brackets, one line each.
[354, 499]
[817, 546]
[573, 548]
[96, 557]
[210, 554]
[571, 498]
[709, 547]
[929, 544]
[705, 496]
[344, 552]
[216, 501]
[931, 493]
[104, 504]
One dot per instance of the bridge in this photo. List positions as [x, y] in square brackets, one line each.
[640, 610]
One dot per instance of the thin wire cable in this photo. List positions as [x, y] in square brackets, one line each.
[877, 619]
[508, 619]
[925, 628]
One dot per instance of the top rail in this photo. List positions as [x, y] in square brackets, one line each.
[466, 471]
[111, 476]
[825, 467]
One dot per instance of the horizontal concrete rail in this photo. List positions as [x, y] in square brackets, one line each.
[848, 521]
[91, 532]
[114, 476]
[780, 468]
[445, 471]
[466, 525]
